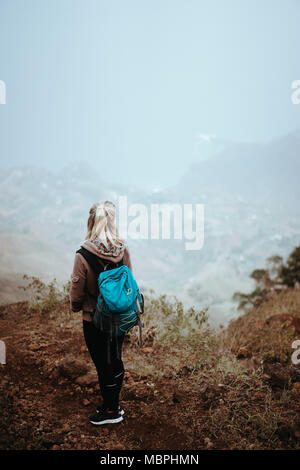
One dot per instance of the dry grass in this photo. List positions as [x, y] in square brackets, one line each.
[272, 342]
[214, 399]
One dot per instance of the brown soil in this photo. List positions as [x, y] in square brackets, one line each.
[42, 409]
[48, 390]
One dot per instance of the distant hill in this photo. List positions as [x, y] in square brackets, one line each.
[267, 173]
[250, 195]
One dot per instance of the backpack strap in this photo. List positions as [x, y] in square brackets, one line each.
[92, 260]
[95, 262]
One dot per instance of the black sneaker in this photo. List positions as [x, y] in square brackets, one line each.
[106, 417]
[101, 408]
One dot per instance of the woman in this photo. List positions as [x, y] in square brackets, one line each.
[103, 242]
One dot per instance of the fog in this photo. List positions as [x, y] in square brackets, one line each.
[137, 88]
[162, 102]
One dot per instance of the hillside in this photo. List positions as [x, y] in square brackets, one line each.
[265, 173]
[190, 387]
[248, 192]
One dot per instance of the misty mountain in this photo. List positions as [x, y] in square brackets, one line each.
[265, 173]
[249, 194]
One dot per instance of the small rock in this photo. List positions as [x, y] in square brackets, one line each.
[259, 395]
[184, 371]
[87, 380]
[34, 347]
[175, 398]
[266, 377]
[66, 428]
[279, 375]
[51, 439]
[128, 378]
[147, 350]
[210, 393]
[296, 390]
[208, 443]
[242, 353]
[119, 446]
[72, 368]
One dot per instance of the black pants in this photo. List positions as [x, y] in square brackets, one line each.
[108, 362]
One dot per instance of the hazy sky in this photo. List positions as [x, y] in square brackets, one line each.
[130, 85]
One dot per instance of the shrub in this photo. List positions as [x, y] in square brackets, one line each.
[170, 325]
[44, 297]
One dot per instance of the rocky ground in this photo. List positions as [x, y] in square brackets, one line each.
[49, 388]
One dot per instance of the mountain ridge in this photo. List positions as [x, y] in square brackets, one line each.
[43, 218]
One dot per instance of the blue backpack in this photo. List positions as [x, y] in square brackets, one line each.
[120, 303]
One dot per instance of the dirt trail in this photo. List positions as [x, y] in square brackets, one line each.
[41, 408]
[48, 389]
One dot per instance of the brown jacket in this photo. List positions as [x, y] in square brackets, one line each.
[83, 280]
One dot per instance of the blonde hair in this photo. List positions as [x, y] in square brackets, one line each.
[101, 225]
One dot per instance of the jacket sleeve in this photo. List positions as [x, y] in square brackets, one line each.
[78, 282]
[126, 259]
